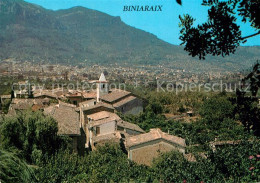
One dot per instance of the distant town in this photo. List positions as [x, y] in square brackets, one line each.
[121, 73]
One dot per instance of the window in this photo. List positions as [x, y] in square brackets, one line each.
[97, 130]
[103, 86]
[75, 102]
[119, 128]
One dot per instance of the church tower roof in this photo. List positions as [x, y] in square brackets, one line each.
[102, 78]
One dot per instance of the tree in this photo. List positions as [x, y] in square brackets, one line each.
[174, 167]
[107, 164]
[61, 167]
[216, 109]
[13, 170]
[32, 134]
[247, 107]
[230, 163]
[234, 161]
[12, 133]
[220, 35]
[254, 78]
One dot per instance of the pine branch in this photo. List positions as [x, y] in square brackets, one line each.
[251, 35]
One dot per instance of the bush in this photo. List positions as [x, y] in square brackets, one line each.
[13, 170]
[216, 109]
[31, 132]
[230, 163]
[107, 163]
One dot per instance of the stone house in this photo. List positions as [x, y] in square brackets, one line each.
[123, 101]
[45, 94]
[89, 95]
[68, 120]
[75, 97]
[20, 94]
[108, 127]
[127, 129]
[19, 105]
[90, 107]
[143, 148]
[88, 103]
[101, 126]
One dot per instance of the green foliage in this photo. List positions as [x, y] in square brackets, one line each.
[5, 105]
[32, 134]
[217, 109]
[12, 133]
[247, 107]
[217, 122]
[107, 160]
[231, 163]
[61, 167]
[107, 163]
[220, 34]
[173, 167]
[155, 108]
[13, 170]
[34, 137]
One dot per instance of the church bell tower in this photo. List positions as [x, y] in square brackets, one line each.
[102, 86]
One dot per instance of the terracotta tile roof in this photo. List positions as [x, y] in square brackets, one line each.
[59, 93]
[130, 126]
[109, 117]
[100, 104]
[99, 115]
[66, 117]
[124, 101]
[154, 134]
[90, 95]
[45, 93]
[74, 94]
[66, 104]
[115, 95]
[54, 93]
[23, 104]
[107, 137]
[37, 107]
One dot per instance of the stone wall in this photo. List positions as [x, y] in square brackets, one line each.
[132, 107]
[108, 128]
[145, 153]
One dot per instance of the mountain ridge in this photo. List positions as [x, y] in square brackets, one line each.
[76, 35]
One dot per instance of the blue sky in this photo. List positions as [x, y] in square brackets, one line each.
[162, 24]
